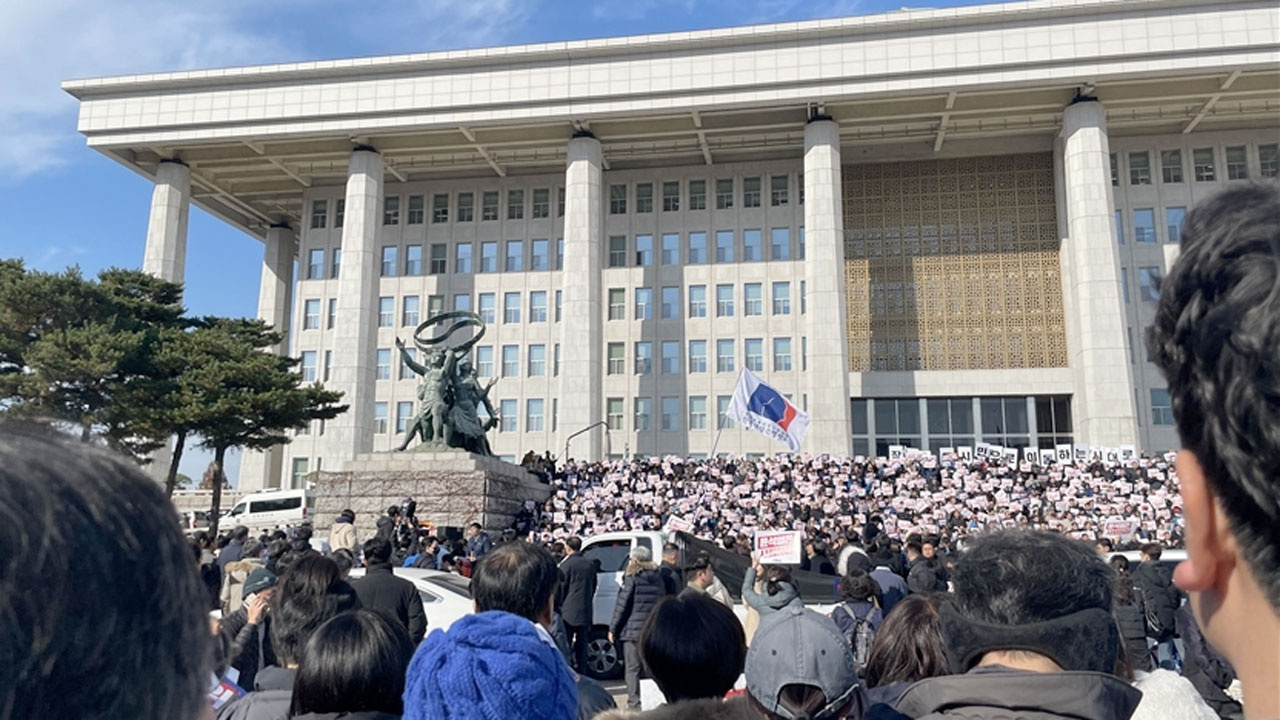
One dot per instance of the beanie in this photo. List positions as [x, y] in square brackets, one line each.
[489, 665]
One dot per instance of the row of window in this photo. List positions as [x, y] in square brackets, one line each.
[932, 423]
[639, 197]
[415, 208]
[1144, 225]
[1204, 164]
[1148, 284]
[639, 250]
[537, 259]
[753, 359]
[753, 302]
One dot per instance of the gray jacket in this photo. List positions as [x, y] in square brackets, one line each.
[764, 603]
[998, 693]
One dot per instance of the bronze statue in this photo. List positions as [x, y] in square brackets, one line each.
[449, 394]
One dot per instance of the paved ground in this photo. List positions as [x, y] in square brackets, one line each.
[618, 689]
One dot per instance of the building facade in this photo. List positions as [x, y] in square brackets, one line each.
[927, 227]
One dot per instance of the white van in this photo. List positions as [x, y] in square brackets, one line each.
[273, 508]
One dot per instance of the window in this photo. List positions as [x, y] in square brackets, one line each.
[644, 197]
[462, 302]
[1237, 163]
[617, 358]
[488, 257]
[555, 361]
[751, 246]
[751, 192]
[416, 206]
[406, 373]
[670, 302]
[542, 202]
[804, 297]
[670, 413]
[670, 249]
[339, 211]
[308, 366]
[510, 361]
[671, 196]
[753, 349]
[515, 256]
[617, 251]
[644, 250]
[697, 356]
[724, 246]
[697, 301]
[409, 312]
[488, 307]
[617, 199]
[1119, 227]
[1171, 166]
[781, 354]
[1144, 225]
[538, 258]
[722, 411]
[950, 421]
[435, 305]
[780, 244]
[413, 259]
[380, 418]
[511, 307]
[391, 210]
[804, 359]
[782, 298]
[382, 366]
[644, 303]
[724, 301]
[515, 204]
[1161, 408]
[1124, 284]
[617, 304]
[315, 265]
[404, 415]
[507, 411]
[311, 315]
[484, 361]
[466, 207]
[337, 263]
[537, 360]
[489, 205]
[1267, 159]
[800, 242]
[670, 357]
[1202, 159]
[614, 412]
[1115, 170]
[319, 214]
[644, 408]
[332, 319]
[698, 412]
[537, 306]
[559, 303]
[533, 411]
[559, 253]
[898, 422]
[462, 258]
[1139, 168]
[1129, 344]
[389, 261]
[752, 299]
[386, 311]
[644, 357]
[697, 194]
[778, 190]
[1148, 284]
[697, 248]
[724, 193]
[1174, 217]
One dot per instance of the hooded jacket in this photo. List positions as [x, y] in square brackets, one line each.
[342, 534]
[763, 602]
[237, 572]
[1156, 583]
[999, 693]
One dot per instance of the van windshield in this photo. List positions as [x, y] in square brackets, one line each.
[238, 509]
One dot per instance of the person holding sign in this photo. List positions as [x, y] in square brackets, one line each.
[779, 589]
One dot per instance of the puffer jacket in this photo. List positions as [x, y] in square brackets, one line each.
[763, 602]
[639, 594]
[999, 693]
[1132, 622]
[738, 708]
[1156, 583]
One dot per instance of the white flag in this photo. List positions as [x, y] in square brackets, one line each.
[759, 407]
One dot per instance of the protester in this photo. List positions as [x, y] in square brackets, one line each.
[1130, 612]
[924, 575]
[1208, 672]
[907, 648]
[102, 614]
[342, 534]
[703, 581]
[578, 578]
[857, 616]
[236, 572]
[381, 591]
[642, 588]
[345, 560]
[816, 559]
[478, 542]
[672, 577]
[800, 666]
[353, 667]
[1162, 600]
[426, 557]
[892, 588]
[234, 549]
[779, 590]
[245, 629]
[852, 547]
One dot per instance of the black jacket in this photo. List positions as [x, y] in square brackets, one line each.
[1162, 599]
[249, 646]
[672, 578]
[1207, 671]
[578, 577]
[1132, 622]
[924, 577]
[639, 593]
[998, 693]
[272, 693]
[394, 597]
[359, 715]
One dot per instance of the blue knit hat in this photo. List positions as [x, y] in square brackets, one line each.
[487, 666]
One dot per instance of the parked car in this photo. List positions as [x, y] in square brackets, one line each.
[272, 508]
[446, 597]
[193, 521]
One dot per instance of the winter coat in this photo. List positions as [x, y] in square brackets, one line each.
[639, 594]
[249, 646]
[1204, 667]
[397, 599]
[1132, 623]
[892, 587]
[578, 578]
[361, 715]
[232, 595]
[342, 534]
[737, 708]
[479, 546]
[924, 577]
[763, 602]
[233, 552]
[672, 578]
[1156, 583]
[844, 614]
[1166, 695]
[270, 699]
[999, 693]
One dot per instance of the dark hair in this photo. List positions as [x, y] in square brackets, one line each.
[377, 549]
[310, 593]
[699, 563]
[1106, 543]
[240, 533]
[775, 575]
[343, 558]
[909, 646]
[1122, 594]
[574, 543]
[1215, 334]
[475, 525]
[354, 662]
[693, 646]
[819, 548]
[857, 586]
[1152, 550]
[670, 549]
[915, 547]
[304, 533]
[519, 578]
[252, 549]
[82, 615]
[800, 701]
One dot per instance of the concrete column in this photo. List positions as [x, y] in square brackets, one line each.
[827, 380]
[354, 333]
[1103, 399]
[260, 470]
[580, 352]
[166, 253]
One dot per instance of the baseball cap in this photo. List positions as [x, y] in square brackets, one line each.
[796, 646]
[258, 580]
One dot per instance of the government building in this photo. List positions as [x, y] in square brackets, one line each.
[929, 228]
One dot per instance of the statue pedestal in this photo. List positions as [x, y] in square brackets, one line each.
[451, 488]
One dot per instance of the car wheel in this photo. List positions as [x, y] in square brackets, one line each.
[604, 662]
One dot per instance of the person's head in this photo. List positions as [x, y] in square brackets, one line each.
[670, 553]
[909, 647]
[97, 588]
[303, 533]
[914, 550]
[349, 514]
[1032, 597]
[519, 578]
[343, 558]
[775, 576]
[928, 548]
[701, 572]
[473, 529]
[820, 548]
[1215, 334]
[573, 545]
[800, 666]
[354, 662]
[1104, 546]
[641, 559]
[309, 593]
[431, 544]
[1151, 552]
[377, 550]
[693, 647]
[252, 550]
[393, 511]
[857, 587]
[240, 533]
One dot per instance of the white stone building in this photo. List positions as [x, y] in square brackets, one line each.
[927, 226]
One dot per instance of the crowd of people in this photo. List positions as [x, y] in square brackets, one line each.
[108, 612]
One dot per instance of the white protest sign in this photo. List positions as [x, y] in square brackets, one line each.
[897, 452]
[965, 452]
[675, 523]
[1063, 453]
[1047, 457]
[1082, 452]
[778, 547]
[1030, 454]
[1128, 452]
[946, 452]
[1119, 528]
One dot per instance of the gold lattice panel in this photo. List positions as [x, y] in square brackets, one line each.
[953, 265]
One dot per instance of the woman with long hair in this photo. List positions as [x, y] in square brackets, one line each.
[1130, 613]
[907, 648]
[779, 589]
[353, 666]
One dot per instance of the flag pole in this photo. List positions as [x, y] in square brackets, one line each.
[720, 420]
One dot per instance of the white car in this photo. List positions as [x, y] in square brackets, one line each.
[446, 597]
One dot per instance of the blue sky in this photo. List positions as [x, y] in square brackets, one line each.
[62, 204]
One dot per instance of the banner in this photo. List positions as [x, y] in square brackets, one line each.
[759, 407]
[778, 547]
[675, 523]
[1119, 528]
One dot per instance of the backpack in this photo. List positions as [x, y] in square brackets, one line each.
[859, 636]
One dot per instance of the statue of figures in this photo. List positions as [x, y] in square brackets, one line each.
[449, 395]
[465, 413]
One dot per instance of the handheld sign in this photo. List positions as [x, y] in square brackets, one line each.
[778, 547]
